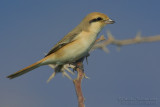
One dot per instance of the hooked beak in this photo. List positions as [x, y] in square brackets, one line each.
[109, 21]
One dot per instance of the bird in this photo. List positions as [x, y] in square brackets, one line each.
[73, 46]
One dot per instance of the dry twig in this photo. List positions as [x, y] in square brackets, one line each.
[102, 44]
[77, 83]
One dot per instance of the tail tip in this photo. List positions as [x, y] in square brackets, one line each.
[9, 77]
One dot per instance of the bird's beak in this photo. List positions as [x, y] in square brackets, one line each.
[109, 21]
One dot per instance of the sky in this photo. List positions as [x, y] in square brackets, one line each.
[129, 77]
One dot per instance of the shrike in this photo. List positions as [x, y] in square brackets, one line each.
[75, 45]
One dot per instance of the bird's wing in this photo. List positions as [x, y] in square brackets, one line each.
[70, 37]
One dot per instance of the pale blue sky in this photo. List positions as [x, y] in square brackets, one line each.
[29, 28]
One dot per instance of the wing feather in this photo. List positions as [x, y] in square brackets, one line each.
[70, 37]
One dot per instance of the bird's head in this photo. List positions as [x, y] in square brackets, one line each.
[96, 21]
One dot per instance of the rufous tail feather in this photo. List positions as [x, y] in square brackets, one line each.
[25, 70]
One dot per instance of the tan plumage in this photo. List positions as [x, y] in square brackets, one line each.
[75, 45]
[25, 70]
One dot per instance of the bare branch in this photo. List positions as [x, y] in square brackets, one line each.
[77, 84]
[111, 40]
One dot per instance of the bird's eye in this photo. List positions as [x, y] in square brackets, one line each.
[95, 20]
[99, 18]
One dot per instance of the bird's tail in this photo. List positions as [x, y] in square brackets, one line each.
[25, 70]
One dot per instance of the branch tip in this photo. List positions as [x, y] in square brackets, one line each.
[110, 36]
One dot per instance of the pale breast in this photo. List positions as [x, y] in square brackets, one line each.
[74, 50]
[80, 47]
